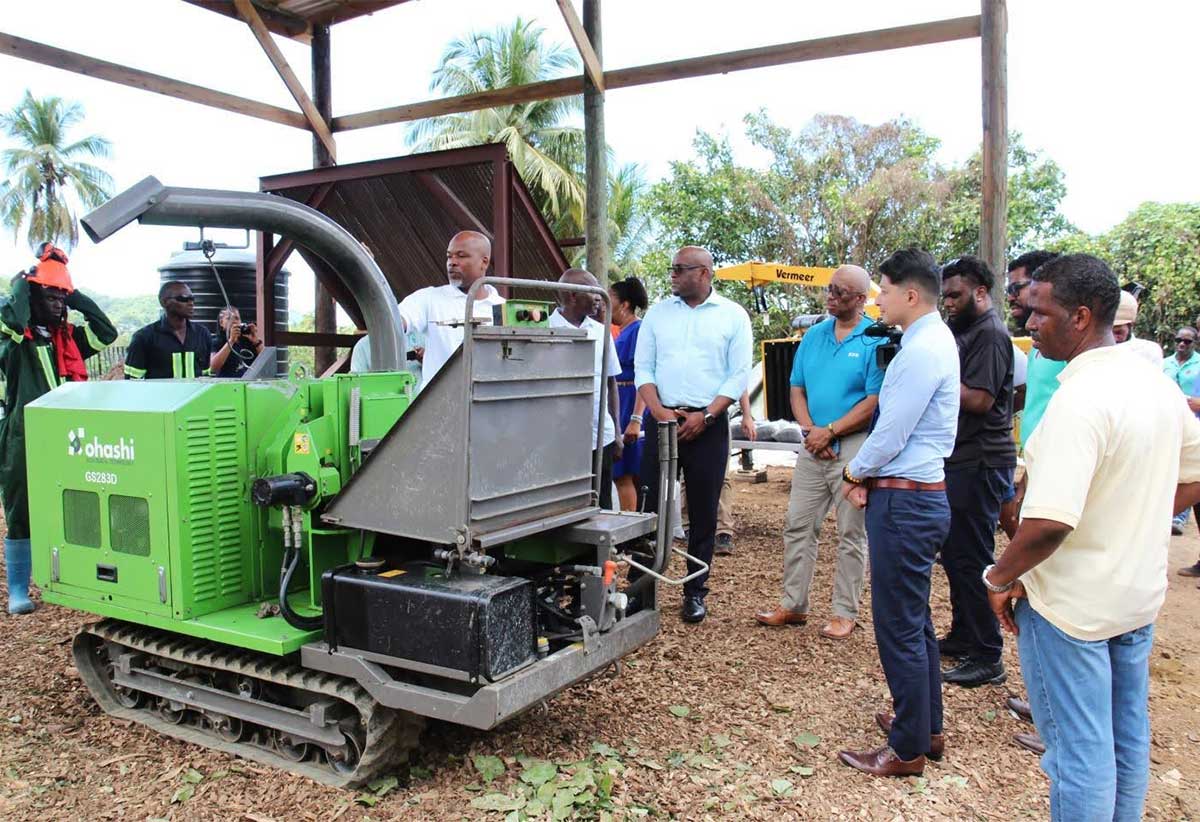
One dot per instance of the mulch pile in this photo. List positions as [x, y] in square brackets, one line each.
[721, 720]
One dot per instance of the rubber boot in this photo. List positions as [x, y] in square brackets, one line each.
[16, 565]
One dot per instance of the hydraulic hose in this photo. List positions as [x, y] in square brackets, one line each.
[291, 560]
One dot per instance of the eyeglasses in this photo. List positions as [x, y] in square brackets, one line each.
[1013, 289]
[841, 293]
[1184, 340]
[679, 269]
[184, 298]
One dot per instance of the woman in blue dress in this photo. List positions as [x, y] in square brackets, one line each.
[628, 297]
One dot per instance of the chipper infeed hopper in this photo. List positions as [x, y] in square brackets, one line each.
[300, 571]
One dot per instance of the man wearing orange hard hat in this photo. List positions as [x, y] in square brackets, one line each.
[39, 350]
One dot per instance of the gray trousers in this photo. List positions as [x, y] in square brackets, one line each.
[817, 486]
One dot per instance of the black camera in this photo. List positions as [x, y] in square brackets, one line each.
[885, 352]
[244, 328]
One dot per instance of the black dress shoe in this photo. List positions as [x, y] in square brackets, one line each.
[973, 673]
[693, 609]
[951, 648]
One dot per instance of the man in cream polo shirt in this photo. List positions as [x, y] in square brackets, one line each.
[437, 311]
[1086, 572]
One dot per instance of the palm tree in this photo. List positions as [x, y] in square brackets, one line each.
[44, 175]
[629, 223]
[547, 151]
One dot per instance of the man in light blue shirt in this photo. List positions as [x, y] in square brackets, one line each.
[898, 475]
[693, 359]
[835, 391]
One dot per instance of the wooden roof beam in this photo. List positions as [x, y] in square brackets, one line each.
[591, 60]
[114, 73]
[864, 42]
[315, 121]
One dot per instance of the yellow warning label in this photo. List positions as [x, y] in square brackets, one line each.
[301, 443]
[393, 573]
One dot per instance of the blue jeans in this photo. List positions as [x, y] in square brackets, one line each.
[1089, 702]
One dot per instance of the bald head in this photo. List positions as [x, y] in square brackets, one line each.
[691, 274]
[467, 258]
[574, 306]
[846, 296]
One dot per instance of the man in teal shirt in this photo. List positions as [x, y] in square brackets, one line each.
[1184, 365]
[835, 390]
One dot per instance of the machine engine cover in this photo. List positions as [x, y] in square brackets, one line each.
[473, 626]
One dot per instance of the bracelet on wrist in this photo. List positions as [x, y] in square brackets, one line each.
[995, 589]
[831, 431]
[850, 478]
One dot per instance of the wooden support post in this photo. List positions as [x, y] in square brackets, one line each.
[595, 227]
[114, 73]
[994, 217]
[264, 302]
[319, 124]
[591, 60]
[324, 308]
[502, 220]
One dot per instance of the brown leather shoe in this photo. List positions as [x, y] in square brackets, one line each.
[781, 616]
[1030, 742]
[883, 762]
[937, 742]
[838, 628]
[1190, 571]
[1019, 707]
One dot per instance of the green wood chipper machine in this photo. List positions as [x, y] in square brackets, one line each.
[302, 571]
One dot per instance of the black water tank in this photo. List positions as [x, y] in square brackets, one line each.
[236, 267]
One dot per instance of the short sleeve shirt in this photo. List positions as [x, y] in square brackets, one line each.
[601, 339]
[835, 376]
[438, 313]
[985, 355]
[155, 353]
[1183, 374]
[1106, 463]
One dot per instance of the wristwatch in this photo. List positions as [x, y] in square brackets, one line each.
[995, 589]
[709, 418]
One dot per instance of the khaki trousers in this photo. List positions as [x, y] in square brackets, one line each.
[817, 486]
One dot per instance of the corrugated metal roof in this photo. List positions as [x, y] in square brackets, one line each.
[388, 208]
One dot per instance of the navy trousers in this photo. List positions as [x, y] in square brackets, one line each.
[905, 529]
[974, 493]
[702, 462]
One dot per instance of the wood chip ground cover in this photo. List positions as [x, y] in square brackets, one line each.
[725, 720]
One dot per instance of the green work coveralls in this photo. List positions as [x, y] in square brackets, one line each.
[28, 366]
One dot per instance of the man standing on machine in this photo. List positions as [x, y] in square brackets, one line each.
[437, 311]
[172, 347]
[39, 350]
[693, 361]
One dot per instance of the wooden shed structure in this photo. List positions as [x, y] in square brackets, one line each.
[309, 21]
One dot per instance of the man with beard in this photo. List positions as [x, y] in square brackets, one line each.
[980, 470]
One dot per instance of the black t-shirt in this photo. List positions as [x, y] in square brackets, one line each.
[239, 358]
[155, 353]
[985, 356]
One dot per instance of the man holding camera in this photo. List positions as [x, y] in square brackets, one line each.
[39, 350]
[237, 345]
[899, 476]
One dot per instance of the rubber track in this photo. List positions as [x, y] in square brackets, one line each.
[390, 735]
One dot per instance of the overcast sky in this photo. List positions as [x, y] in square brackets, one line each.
[1101, 87]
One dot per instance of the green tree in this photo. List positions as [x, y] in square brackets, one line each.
[546, 149]
[1157, 245]
[46, 176]
[1036, 189]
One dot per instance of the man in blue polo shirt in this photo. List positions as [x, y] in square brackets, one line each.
[835, 389]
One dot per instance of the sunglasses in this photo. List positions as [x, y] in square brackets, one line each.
[1013, 289]
[184, 298]
[679, 269]
[1184, 340]
[840, 293]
